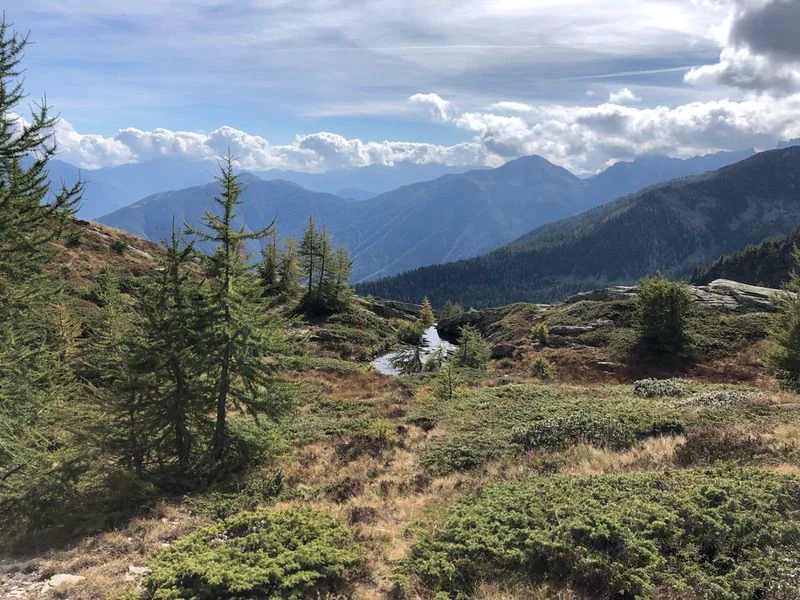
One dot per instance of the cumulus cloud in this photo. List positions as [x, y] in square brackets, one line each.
[314, 152]
[586, 139]
[760, 49]
[623, 96]
[440, 108]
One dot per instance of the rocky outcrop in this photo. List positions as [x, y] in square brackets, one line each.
[721, 294]
[391, 309]
[484, 320]
[618, 292]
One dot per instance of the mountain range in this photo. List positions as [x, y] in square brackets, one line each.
[453, 217]
[111, 188]
[673, 227]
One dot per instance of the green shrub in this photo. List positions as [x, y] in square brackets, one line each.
[579, 428]
[543, 369]
[447, 381]
[294, 553]
[411, 332]
[250, 443]
[783, 356]
[692, 534]
[664, 308]
[541, 333]
[478, 423]
[651, 388]
[473, 351]
[73, 239]
[719, 398]
[118, 246]
[449, 310]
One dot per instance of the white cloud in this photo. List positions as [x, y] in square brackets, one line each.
[760, 49]
[440, 108]
[315, 152]
[585, 139]
[623, 96]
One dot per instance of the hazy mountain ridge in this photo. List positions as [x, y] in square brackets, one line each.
[673, 227]
[453, 217]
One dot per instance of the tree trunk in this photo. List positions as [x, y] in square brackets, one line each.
[222, 402]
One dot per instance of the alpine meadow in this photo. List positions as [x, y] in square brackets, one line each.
[507, 305]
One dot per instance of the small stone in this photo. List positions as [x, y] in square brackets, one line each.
[139, 571]
[62, 582]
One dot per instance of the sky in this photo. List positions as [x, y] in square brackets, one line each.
[315, 85]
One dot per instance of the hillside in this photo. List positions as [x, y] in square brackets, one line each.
[262, 201]
[453, 217]
[767, 263]
[673, 227]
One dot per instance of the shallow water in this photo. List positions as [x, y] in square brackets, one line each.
[430, 342]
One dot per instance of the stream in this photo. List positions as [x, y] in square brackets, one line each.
[430, 342]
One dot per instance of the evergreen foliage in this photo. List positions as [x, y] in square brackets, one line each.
[664, 308]
[244, 343]
[37, 336]
[542, 369]
[473, 350]
[768, 263]
[449, 310]
[177, 318]
[292, 553]
[721, 534]
[541, 333]
[426, 316]
[447, 381]
[783, 355]
[327, 272]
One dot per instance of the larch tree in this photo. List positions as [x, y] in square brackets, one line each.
[426, 313]
[35, 374]
[269, 267]
[289, 269]
[177, 321]
[245, 342]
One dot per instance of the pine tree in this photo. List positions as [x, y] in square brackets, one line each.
[35, 370]
[245, 343]
[663, 310]
[328, 271]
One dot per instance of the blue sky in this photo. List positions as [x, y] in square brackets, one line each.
[320, 84]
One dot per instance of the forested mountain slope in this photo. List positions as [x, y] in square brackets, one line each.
[767, 263]
[673, 227]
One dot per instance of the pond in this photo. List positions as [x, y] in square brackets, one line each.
[430, 342]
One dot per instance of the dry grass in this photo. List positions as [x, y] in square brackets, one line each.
[505, 591]
[649, 454]
[104, 559]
